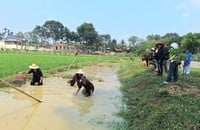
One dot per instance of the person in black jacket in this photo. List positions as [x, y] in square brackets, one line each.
[166, 57]
[37, 78]
[75, 80]
[160, 58]
[88, 87]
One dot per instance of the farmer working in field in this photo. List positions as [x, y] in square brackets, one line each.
[88, 87]
[76, 78]
[37, 75]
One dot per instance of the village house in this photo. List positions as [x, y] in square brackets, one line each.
[14, 42]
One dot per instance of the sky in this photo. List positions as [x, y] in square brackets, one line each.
[119, 18]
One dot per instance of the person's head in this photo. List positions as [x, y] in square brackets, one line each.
[80, 72]
[83, 79]
[34, 67]
[159, 45]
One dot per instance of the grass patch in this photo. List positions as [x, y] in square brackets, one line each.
[149, 103]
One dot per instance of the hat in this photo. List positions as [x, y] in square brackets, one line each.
[159, 44]
[80, 71]
[33, 66]
[153, 49]
[174, 45]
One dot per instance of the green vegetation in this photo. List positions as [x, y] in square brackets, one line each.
[150, 104]
[14, 62]
[196, 57]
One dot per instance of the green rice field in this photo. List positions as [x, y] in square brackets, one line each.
[15, 62]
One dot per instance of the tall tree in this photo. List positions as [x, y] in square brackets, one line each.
[54, 30]
[87, 34]
[112, 45]
[66, 35]
[40, 33]
[105, 38]
[191, 42]
[31, 37]
[171, 37]
[155, 37]
[132, 40]
[74, 36]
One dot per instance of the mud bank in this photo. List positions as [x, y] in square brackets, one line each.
[60, 110]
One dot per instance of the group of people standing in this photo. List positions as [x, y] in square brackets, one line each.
[168, 58]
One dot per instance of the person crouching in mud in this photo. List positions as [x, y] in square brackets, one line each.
[88, 87]
[37, 78]
[76, 78]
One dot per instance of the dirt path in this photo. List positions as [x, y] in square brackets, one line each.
[195, 64]
[60, 110]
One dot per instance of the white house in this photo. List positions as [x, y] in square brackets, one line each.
[14, 42]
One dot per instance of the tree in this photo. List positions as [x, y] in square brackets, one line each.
[87, 34]
[66, 35]
[53, 30]
[191, 42]
[132, 40]
[171, 37]
[6, 32]
[74, 36]
[105, 38]
[31, 37]
[155, 37]
[40, 33]
[112, 45]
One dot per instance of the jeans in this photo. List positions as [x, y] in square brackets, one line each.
[160, 67]
[172, 72]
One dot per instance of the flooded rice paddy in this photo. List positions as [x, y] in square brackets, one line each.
[60, 109]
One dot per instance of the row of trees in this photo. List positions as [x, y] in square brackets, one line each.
[55, 31]
[189, 41]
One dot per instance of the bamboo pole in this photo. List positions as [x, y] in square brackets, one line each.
[12, 86]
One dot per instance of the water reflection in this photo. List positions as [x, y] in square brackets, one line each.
[83, 104]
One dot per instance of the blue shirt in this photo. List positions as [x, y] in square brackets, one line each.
[188, 58]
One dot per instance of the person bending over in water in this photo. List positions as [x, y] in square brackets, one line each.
[76, 78]
[88, 87]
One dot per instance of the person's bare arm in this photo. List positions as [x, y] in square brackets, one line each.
[77, 91]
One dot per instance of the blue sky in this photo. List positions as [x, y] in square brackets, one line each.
[119, 18]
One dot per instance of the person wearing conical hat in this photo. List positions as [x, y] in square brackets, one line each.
[88, 87]
[37, 78]
[75, 80]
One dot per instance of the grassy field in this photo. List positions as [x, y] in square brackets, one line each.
[150, 104]
[14, 62]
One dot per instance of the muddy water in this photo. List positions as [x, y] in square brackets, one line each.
[60, 110]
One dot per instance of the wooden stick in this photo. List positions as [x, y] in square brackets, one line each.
[12, 86]
[72, 62]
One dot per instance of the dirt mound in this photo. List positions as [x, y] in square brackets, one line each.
[178, 90]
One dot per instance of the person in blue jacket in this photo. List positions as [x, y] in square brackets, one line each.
[186, 64]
